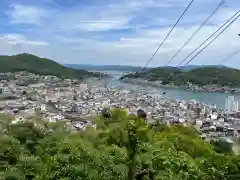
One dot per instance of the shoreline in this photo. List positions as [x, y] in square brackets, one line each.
[193, 88]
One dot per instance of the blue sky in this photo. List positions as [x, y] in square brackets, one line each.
[124, 32]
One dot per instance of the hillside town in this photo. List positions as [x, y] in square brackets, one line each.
[24, 95]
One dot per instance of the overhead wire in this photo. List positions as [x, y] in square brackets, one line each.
[212, 35]
[153, 55]
[213, 40]
[230, 56]
[199, 28]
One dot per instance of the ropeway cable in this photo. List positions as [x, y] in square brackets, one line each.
[208, 38]
[213, 39]
[230, 56]
[142, 70]
[199, 28]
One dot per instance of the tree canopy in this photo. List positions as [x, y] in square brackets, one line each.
[120, 147]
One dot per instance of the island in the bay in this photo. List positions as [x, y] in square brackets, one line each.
[213, 79]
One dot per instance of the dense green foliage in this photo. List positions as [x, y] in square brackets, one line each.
[198, 76]
[42, 66]
[122, 147]
[222, 146]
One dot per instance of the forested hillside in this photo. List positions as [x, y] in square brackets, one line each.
[199, 76]
[122, 147]
[42, 66]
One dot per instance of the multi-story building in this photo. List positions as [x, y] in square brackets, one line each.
[231, 104]
[83, 87]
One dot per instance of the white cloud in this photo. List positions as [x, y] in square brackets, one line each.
[128, 50]
[14, 39]
[110, 16]
[20, 13]
[101, 25]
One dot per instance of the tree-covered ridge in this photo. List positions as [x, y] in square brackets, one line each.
[222, 76]
[42, 66]
[198, 76]
[121, 147]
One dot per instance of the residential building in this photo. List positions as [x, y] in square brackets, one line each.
[231, 104]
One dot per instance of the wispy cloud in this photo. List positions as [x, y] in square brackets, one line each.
[20, 13]
[14, 39]
[101, 25]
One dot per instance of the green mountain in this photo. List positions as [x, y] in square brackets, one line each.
[42, 66]
[199, 76]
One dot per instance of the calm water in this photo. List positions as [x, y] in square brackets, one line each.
[206, 97]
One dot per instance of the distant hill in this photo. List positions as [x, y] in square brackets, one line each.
[104, 67]
[42, 66]
[199, 76]
[129, 68]
[190, 67]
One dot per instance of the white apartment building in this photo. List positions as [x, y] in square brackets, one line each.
[231, 104]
